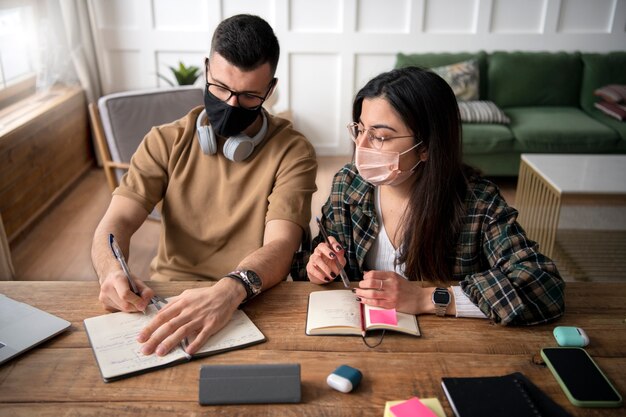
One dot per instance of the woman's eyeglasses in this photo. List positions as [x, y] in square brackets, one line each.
[375, 138]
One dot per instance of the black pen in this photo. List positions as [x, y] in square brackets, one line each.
[342, 272]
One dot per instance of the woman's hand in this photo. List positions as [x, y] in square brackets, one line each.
[387, 289]
[322, 268]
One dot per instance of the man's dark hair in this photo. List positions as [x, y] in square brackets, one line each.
[247, 42]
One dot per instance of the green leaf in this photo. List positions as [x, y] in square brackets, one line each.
[185, 75]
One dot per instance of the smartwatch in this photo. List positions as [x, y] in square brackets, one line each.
[250, 281]
[441, 300]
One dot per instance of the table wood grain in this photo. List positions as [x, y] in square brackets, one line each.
[61, 377]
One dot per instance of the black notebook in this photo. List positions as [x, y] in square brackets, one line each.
[511, 395]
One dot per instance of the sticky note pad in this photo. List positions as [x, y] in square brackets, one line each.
[384, 317]
[431, 405]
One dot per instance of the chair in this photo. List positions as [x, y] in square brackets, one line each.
[121, 120]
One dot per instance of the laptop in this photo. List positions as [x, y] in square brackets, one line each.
[23, 326]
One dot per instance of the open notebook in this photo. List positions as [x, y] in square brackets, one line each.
[113, 338]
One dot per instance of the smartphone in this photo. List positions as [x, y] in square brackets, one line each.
[580, 378]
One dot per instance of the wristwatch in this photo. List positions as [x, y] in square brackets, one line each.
[441, 300]
[250, 281]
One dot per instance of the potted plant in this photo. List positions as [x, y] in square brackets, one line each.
[185, 75]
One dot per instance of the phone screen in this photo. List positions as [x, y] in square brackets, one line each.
[580, 374]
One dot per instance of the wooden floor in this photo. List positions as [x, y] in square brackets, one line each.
[58, 247]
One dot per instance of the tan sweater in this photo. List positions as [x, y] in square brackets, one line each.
[214, 210]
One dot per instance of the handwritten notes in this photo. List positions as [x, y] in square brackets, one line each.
[113, 338]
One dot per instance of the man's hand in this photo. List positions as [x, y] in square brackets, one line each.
[116, 295]
[197, 314]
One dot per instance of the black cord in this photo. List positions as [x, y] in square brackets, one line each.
[382, 335]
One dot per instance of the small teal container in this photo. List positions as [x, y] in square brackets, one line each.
[570, 336]
[344, 379]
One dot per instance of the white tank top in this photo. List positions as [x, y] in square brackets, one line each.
[382, 255]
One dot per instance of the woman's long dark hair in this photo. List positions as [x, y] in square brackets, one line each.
[434, 215]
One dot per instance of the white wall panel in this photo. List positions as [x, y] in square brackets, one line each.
[174, 15]
[451, 16]
[119, 14]
[263, 8]
[514, 16]
[331, 48]
[314, 96]
[124, 71]
[368, 66]
[315, 16]
[390, 16]
[585, 16]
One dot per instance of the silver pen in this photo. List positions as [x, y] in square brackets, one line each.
[156, 300]
[342, 272]
[117, 252]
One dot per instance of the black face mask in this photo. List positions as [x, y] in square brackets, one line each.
[227, 120]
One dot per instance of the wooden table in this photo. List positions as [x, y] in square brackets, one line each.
[61, 377]
[548, 181]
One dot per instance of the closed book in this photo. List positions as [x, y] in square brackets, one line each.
[511, 395]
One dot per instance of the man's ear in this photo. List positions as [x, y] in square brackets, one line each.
[274, 84]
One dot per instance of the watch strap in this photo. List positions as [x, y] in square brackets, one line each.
[245, 282]
[251, 289]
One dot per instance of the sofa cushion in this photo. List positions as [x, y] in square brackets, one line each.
[434, 59]
[486, 138]
[518, 79]
[462, 77]
[615, 110]
[481, 112]
[618, 126]
[613, 93]
[600, 70]
[559, 129]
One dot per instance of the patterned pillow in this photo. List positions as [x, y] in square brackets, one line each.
[463, 77]
[613, 93]
[615, 110]
[482, 112]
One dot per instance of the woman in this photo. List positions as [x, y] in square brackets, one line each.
[408, 210]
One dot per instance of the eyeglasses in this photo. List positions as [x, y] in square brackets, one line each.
[246, 100]
[375, 138]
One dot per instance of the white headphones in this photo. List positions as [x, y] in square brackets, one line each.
[236, 148]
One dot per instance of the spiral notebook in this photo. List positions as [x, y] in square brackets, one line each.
[511, 395]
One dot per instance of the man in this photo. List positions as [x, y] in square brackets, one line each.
[226, 216]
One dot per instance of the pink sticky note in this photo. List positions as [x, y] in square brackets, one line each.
[384, 317]
[411, 408]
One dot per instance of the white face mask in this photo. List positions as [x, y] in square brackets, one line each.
[382, 167]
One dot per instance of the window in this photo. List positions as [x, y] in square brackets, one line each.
[17, 50]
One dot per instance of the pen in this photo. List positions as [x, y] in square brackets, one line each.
[117, 252]
[362, 320]
[342, 272]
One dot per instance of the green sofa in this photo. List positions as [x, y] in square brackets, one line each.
[548, 98]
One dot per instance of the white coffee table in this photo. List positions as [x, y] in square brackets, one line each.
[546, 182]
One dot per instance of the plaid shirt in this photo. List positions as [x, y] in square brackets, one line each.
[499, 268]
